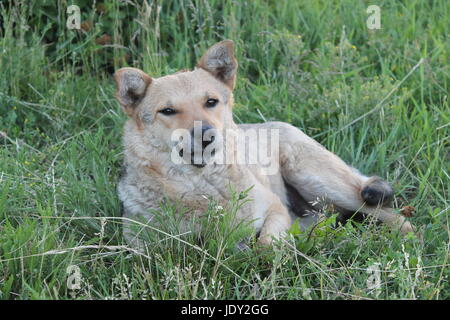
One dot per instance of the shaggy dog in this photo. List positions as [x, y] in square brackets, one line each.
[175, 119]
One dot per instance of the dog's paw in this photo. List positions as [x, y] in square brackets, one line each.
[377, 192]
[406, 228]
[264, 241]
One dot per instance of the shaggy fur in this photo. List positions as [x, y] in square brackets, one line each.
[307, 170]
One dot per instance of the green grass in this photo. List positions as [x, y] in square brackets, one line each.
[311, 63]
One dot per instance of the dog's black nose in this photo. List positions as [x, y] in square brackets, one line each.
[207, 135]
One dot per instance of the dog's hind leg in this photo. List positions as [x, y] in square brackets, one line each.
[317, 173]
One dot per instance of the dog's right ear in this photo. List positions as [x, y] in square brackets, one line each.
[131, 86]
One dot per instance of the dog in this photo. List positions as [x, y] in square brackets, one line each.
[305, 170]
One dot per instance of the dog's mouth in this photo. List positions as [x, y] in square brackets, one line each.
[199, 165]
[199, 160]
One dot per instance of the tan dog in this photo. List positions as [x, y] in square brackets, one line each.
[307, 171]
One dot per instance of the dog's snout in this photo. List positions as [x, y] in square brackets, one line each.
[207, 135]
[202, 148]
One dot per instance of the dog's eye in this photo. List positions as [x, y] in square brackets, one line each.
[211, 103]
[168, 111]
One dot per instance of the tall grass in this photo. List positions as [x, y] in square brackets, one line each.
[314, 64]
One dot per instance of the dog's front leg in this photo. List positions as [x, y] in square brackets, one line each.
[276, 224]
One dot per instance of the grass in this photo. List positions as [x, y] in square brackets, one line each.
[311, 63]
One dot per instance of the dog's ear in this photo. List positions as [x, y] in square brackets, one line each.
[131, 86]
[219, 60]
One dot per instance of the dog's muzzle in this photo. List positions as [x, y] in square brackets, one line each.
[202, 146]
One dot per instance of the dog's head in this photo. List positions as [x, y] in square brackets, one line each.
[198, 102]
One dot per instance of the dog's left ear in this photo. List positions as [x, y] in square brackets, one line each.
[219, 60]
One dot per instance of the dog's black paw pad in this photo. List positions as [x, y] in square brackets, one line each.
[377, 192]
